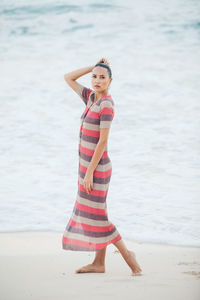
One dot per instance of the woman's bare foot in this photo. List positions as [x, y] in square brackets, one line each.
[136, 270]
[91, 268]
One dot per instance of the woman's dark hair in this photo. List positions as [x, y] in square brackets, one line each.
[105, 66]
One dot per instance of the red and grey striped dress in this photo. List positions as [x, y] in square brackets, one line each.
[89, 228]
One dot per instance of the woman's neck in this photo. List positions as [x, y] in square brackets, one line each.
[98, 96]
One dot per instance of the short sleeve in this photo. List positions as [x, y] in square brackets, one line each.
[106, 114]
[83, 92]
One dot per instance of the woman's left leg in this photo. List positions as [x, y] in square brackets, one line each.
[98, 265]
[100, 257]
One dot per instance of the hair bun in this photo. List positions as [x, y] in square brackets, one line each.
[101, 64]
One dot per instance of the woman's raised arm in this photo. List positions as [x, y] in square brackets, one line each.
[71, 77]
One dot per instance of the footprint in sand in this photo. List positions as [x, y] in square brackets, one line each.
[188, 263]
[193, 273]
[194, 263]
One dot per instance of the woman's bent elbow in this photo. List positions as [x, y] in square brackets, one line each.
[66, 77]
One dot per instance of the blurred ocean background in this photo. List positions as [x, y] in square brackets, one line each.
[153, 47]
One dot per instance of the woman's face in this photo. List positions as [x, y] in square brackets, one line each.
[100, 79]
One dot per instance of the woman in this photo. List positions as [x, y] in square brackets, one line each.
[89, 228]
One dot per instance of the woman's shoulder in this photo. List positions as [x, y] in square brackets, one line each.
[107, 101]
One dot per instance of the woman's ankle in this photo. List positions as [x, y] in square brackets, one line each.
[99, 263]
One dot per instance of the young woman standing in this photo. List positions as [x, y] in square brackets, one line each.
[89, 228]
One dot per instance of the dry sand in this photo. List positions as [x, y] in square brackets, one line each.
[34, 266]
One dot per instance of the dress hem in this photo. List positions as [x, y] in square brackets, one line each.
[74, 247]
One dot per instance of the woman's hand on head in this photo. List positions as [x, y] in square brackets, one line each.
[103, 60]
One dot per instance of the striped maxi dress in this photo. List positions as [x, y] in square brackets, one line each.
[89, 228]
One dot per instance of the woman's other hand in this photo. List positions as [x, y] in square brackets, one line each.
[88, 181]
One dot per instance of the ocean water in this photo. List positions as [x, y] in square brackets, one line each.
[153, 48]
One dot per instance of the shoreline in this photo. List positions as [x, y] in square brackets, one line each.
[34, 266]
[125, 239]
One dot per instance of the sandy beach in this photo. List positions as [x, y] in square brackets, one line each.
[34, 266]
